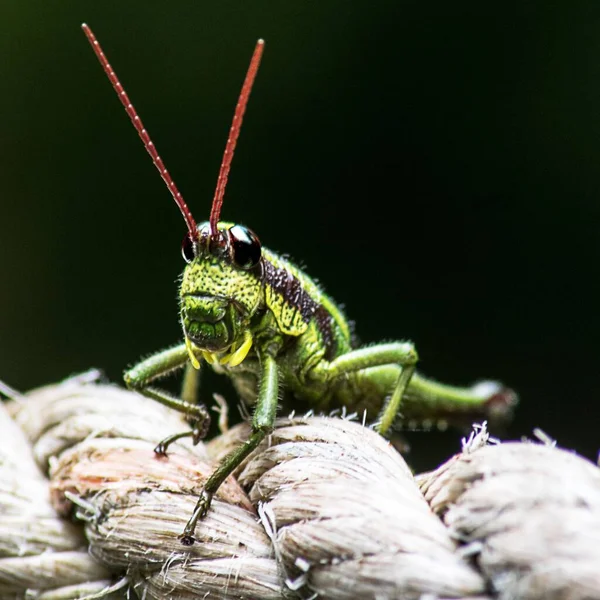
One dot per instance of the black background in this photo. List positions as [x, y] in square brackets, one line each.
[435, 165]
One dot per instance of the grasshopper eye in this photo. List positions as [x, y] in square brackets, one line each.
[187, 249]
[244, 247]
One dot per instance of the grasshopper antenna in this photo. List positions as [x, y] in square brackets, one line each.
[149, 145]
[234, 132]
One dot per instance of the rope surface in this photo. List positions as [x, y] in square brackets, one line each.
[324, 508]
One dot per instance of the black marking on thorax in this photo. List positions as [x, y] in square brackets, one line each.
[290, 287]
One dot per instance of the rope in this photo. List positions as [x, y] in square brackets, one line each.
[327, 508]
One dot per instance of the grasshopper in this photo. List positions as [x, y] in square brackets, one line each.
[257, 318]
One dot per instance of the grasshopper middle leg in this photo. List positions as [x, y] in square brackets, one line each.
[390, 369]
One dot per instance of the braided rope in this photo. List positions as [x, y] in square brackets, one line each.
[326, 509]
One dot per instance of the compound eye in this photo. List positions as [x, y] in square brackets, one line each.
[244, 247]
[187, 249]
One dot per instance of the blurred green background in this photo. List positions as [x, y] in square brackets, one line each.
[435, 165]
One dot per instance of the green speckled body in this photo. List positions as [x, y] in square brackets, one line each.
[295, 321]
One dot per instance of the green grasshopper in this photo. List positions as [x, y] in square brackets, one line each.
[257, 318]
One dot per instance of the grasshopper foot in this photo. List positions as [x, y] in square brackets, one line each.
[163, 445]
[201, 510]
[500, 401]
[161, 449]
[187, 540]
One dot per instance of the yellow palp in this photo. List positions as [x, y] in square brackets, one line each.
[209, 357]
[235, 358]
[193, 359]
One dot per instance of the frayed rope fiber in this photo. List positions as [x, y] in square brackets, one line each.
[325, 508]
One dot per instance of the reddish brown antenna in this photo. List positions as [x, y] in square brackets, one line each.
[137, 123]
[234, 132]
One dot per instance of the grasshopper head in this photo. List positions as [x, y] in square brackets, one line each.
[220, 290]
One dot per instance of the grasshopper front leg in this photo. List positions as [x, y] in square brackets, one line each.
[159, 365]
[262, 424]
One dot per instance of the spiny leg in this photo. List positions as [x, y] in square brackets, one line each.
[262, 424]
[189, 394]
[485, 399]
[428, 401]
[397, 353]
[191, 384]
[159, 365]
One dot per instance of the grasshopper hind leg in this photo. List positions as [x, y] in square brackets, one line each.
[383, 378]
[358, 364]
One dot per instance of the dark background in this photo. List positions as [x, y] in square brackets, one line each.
[436, 165]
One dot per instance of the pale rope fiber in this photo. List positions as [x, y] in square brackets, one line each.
[331, 509]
